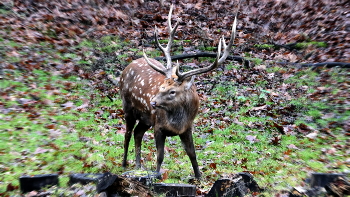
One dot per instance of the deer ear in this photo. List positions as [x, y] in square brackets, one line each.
[188, 82]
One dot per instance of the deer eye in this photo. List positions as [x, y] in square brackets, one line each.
[172, 92]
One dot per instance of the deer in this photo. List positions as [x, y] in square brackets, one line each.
[163, 98]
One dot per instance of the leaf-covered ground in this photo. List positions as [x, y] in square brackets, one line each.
[60, 112]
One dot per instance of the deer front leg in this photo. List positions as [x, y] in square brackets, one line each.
[187, 141]
[130, 123]
[160, 141]
[139, 131]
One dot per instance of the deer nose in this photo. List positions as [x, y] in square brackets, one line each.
[153, 104]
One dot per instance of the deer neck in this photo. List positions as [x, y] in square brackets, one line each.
[176, 121]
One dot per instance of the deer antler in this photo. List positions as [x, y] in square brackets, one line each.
[181, 76]
[218, 60]
[166, 50]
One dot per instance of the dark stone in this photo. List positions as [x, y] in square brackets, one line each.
[146, 179]
[175, 190]
[249, 181]
[238, 185]
[339, 187]
[37, 182]
[323, 179]
[124, 186]
[311, 192]
[102, 181]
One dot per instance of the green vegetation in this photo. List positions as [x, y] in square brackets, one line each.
[47, 135]
[299, 45]
[174, 41]
[208, 48]
[303, 45]
[264, 46]
[257, 61]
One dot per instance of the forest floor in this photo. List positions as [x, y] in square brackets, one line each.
[281, 117]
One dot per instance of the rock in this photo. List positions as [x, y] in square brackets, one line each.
[323, 184]
[310, 192]
[339, 187]
[37, 182]
[145, 177]
[239, 184]
[323, 179]
[124, 186]
[102, 181]
[171, 189]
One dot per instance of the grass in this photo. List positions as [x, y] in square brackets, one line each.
[40, 139]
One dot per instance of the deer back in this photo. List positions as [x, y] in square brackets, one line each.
[138, 85]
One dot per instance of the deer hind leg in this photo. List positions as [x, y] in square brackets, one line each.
[187, 141]
[139, 131]
[130, 123]
[160, 141]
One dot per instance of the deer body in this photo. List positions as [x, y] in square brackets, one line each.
[163, 98]
[141, 87]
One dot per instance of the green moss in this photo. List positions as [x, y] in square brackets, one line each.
[257, 61]
[264, 46]
[302, 45]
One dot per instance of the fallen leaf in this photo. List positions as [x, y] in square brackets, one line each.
[68, 104]
[292, 146]
[41, 150]
[251, 138]
[212, 165]
[312, 135]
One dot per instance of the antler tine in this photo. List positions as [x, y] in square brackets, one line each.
[218, 60]
[230, 43]
[162, 71]
[166, 50]
[172, 31]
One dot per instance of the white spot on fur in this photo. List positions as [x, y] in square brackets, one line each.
[142, 82]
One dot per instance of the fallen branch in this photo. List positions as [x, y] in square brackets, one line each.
[242, 59]
[316, 65]
[327, 64]
[201, 54]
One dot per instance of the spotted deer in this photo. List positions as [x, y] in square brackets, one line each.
[163, 98]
